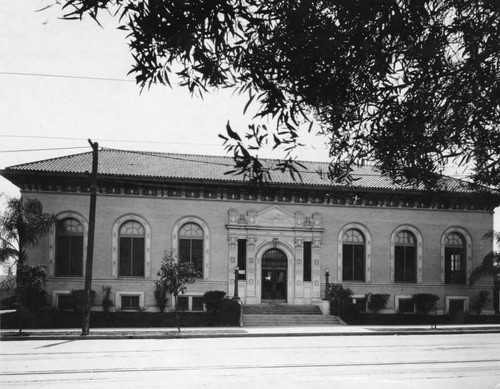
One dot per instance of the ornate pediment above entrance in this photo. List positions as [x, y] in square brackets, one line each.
[274, 216]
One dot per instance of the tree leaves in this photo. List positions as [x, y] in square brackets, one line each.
[411, 86]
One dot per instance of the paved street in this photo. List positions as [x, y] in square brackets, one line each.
[423, 361]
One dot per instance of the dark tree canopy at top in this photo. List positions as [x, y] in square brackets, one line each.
[410, 85]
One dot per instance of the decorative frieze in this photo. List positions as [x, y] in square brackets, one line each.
[450, 201]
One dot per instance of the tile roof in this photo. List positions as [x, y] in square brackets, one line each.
[124, 163]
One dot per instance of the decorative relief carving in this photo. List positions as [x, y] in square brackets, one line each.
[251, 216]
[275, 217]
[299, 218]
[316, 219]
[233, 215]
[299, 242]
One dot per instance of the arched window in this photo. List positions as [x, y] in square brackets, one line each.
[353, 256]
[405, 257]
[454, 259]
[191, 245]
[69, 248]
[131, 260]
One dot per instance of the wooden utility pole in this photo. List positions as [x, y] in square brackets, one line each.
[90, 242]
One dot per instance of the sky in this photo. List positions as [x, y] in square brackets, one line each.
[63, 82]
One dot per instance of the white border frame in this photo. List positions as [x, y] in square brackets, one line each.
[368, 251]
[115, 242]
[465, 299]
[52, 241]
[120, 293]
[468, 252]
[403, 297]
[206, 241]
[55, 297]
[419, 238]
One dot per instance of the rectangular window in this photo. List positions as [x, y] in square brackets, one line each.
[406, 305]
[405, 265]
[353, 262]
[182, 303]
[360, 302]
[242, 258]
[454, 272]
[198, 303]
[130, 302]
[456, 306]
[191, 250]
[69, 255]
[131, 257]
[307, 261]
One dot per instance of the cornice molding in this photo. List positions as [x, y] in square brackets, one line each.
[334, 197]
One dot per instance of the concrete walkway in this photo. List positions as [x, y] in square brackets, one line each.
[215, 332]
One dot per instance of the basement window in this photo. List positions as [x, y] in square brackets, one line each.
[130, 302]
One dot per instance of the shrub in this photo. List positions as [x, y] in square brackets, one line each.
[213, 300]
[230, 312]
[31, 280]
[339, 298]
[425, 302]
[351, 313]
[160, 296]
[481, 301]
[106, 299]
[78, 298]
[377, 301]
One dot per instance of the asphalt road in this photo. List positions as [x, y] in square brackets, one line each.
[422, 361]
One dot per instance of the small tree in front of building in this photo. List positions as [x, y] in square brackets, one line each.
[173, 278]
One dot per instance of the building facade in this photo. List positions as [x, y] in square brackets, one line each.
[286, 239]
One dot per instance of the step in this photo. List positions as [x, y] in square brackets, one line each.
[282, 309]
[250, 320]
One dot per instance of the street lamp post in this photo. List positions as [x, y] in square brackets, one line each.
[327, 282]
[236, 272]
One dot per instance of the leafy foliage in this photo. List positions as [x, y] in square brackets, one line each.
[339, 297]
[408, 85]
[173, 279]
[490, 267]
[377, 301]
[78, 297]
[22, 225]
[106, 299]
[31, 280]
[230, 312]
[213, 300]
[480, 302]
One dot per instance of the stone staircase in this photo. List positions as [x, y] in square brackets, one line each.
[284, 315]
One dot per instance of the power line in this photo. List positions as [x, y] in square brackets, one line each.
[107, 140]
[50, 149]
[66, 76]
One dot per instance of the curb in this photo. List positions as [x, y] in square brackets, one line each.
[244, 334]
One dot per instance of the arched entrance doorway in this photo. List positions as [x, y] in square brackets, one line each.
[274, 270]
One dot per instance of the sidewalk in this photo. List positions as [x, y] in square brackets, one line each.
[232, 332]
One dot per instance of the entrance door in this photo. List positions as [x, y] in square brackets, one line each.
[274, 270]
